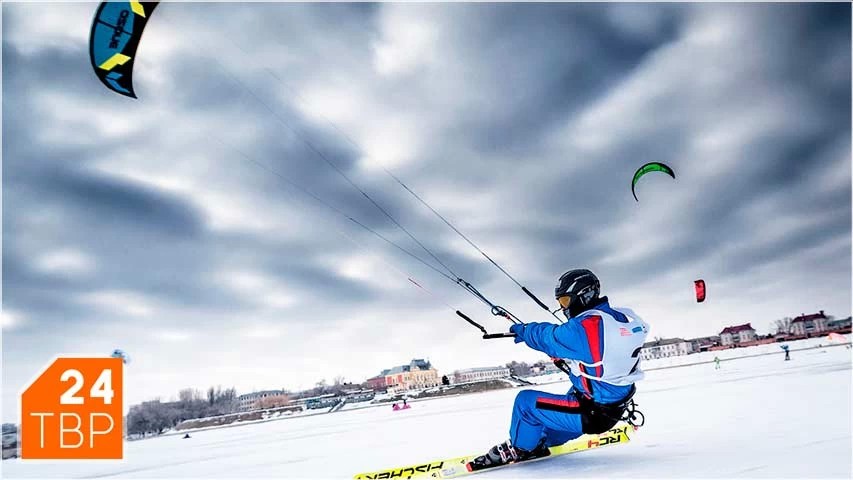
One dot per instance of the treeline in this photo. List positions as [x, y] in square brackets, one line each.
[155, 417]
[337, 387]
[522, 369]
[519, 369]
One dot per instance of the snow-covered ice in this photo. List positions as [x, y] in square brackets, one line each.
[757, 417]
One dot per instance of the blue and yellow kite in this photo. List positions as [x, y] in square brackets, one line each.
[116, 31]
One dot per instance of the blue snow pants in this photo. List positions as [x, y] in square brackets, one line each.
[539, 414]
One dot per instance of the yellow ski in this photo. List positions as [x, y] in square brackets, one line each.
[456, 467]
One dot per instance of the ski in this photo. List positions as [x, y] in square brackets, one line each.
[456, 467]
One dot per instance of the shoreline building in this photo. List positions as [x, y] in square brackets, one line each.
[809, 324]
[665, 347]
[480, 374]
[418, 374]
[733, 336]
[377, 383]
[840, 325]
[262, 399]
[703, 344]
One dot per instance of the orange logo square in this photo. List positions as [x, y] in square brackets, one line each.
[73, 410]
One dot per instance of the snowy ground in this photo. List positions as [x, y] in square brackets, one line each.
[757, 417]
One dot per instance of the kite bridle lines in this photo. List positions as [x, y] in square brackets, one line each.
[447, 273]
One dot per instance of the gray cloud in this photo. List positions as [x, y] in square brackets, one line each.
[167, 225]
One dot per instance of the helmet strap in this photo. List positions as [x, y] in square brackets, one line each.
[575, 308]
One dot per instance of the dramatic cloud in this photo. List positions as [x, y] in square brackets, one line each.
[181, 227]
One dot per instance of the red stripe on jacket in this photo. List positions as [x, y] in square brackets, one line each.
[592, 327]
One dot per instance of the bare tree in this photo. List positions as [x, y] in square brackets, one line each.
[322, 387]
[154, 417]
[783, 325]
[519, 369]
[188, 395]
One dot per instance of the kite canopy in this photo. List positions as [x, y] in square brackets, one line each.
[699, 285]
[118, 353]
[116, 31]
[837, 337]
[649, 167]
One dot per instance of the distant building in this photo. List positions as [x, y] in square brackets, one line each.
[360, 395]
[480, 374]
[842, 324]
[320, 401]
[543, 368]
[737, 334]
[377, 383]
[418, 374]
[10, 441]
[665, 347]
[702, 344]
[809, 324]
[263, 399]
[10, 435]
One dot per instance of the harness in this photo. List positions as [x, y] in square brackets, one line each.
[600, 417]
[597, 417]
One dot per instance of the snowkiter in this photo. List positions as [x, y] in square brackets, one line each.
[716, 363]
[600, 347]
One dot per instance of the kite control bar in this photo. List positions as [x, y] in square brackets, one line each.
[486, 334]
[490, 336]
[558, 362]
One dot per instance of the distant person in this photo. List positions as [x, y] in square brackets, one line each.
[716, 363]
[600, 346]
[787, 352]
[395, 407]
[405, 405]
[187, 436]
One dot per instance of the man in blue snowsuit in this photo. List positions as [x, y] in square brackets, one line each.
[600, 346]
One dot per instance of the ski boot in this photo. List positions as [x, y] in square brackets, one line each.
[504, 454]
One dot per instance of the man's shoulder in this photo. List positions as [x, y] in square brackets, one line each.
[605, 308]
[619, 314]
[631, 314]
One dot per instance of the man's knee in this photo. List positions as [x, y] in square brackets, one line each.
[526, 399]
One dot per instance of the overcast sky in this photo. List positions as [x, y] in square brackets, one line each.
[165, 226]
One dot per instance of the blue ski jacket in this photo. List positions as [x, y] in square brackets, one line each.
[601, 346]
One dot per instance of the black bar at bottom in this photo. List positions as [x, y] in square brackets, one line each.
[490, 336]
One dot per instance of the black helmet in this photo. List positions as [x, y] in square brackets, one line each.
[582, 287]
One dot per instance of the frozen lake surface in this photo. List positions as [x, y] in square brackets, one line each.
[757, 417]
